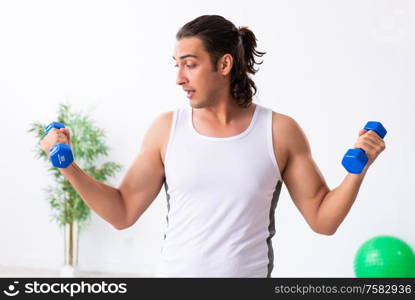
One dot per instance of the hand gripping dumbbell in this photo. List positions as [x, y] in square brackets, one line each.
[61, 154]
[355, 160]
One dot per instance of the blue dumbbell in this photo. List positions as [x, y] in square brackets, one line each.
[61, 154]
[355, 160]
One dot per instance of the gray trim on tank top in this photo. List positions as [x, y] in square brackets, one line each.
[166, 187]
[271, 227]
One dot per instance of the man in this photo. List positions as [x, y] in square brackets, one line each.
[222, 161]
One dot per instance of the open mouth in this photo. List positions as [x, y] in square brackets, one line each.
[190, 93]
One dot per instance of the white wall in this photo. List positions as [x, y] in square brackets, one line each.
[332, 65]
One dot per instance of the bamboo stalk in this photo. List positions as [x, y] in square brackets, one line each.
[71, 243]
[65, 256]
[77, 242]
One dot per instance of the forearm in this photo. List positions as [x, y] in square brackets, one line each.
[105, 200]
[337, 203]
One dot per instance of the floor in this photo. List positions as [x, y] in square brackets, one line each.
[7, 271]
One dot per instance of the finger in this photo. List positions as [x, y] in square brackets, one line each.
[374, 139]
[66, 132]
[365, 145]
[69, 131]
[62, 140]
[374, 134]
[368, 143]
[53, 130]
[371, 139]
[61, 135]
[372, 149]
[362, 131]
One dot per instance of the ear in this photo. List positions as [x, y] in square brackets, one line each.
[225, 64]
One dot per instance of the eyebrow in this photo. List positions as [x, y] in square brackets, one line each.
[186, 56]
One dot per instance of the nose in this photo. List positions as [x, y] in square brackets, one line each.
[181, 79]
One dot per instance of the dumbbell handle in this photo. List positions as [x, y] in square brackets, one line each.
[61, 154]
[355, 160]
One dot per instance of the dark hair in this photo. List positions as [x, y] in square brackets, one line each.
[220, 36]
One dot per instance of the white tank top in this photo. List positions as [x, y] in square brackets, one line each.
[221, 199]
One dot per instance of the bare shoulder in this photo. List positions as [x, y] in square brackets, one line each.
[290, 131]
[280, 120]
[159, 132]
[163, 121]
[288, 138]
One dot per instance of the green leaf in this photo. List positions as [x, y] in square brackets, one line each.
[88, 145]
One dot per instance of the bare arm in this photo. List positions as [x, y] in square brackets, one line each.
[105, 200]
[121, 207]
[323, 209]
[146, 176]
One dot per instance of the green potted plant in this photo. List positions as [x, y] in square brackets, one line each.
[68, 209]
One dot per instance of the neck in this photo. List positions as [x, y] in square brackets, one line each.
[223, 112]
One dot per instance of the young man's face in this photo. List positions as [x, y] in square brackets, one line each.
[196, 74]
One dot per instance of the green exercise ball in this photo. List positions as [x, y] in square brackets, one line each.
[384, 256]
